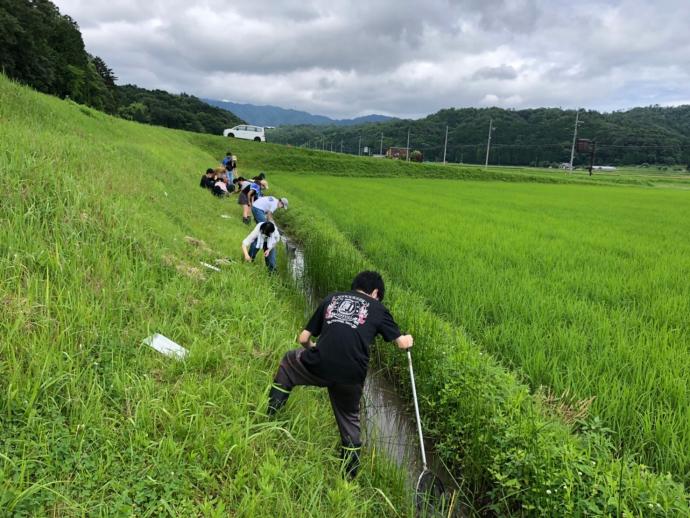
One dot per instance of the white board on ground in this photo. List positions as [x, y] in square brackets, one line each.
[166, 346]
[209, 266]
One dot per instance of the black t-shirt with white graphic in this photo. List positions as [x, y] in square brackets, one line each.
[346, 323]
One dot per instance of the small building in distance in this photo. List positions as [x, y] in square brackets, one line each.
[398, 153]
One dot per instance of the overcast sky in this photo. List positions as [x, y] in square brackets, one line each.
[345, 58]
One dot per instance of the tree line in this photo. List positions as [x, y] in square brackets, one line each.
[538, 137]
[44, 49]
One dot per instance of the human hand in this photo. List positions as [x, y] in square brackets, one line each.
[266, 252]
[405, 341]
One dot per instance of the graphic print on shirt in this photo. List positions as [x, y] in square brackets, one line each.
[346, 309]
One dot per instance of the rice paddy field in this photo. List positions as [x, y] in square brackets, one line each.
[549, 315]
[582, 290]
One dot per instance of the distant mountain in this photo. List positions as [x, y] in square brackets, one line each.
[277, 116]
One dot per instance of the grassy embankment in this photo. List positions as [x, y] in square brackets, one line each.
[96, 220]
[279, 158]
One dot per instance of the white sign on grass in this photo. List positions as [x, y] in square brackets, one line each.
[166, 346]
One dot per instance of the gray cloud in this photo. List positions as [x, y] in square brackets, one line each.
[504, 72]
[406, 58]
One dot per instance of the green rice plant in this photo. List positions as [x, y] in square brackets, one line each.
[580, 289]
[506, 443]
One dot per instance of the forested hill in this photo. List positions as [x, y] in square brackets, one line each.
[44, 49]
[173, 111]
[542, 136]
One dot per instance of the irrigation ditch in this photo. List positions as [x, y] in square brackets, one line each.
[388, 422]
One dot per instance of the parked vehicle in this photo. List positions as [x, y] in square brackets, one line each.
[247, 132]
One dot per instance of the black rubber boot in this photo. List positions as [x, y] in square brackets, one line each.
[350, 456]
[277, 399]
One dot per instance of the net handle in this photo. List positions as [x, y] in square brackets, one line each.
[416, 411]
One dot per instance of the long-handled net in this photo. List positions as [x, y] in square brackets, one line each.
[429, 491]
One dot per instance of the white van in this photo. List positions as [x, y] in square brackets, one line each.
[244, 131]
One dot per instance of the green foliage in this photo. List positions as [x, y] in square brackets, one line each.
[44, 49]
[173, 111]
[136, 111]
[509, 452]
[94, 257]
[522, 137]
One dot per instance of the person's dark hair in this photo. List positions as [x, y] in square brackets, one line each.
[209, 171]
[229, 153]
[259, 177]
[268, 228]
[369, 281]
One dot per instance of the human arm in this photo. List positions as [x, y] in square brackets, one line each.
[245, 251]
[391, 332]
[249, 240]
[304, 339]
[313, 327]
[271, 242]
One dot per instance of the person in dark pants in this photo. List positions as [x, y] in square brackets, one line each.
[346, 323]
[208, 181]
[264, 237]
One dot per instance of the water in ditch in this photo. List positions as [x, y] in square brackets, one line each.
[388, 424]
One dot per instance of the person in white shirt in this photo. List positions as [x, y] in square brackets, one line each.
[264, 207]
[264, 237]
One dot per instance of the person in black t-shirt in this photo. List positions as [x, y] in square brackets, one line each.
[207, 181]
[346, 323]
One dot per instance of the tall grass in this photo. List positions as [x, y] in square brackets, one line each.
[102, 231]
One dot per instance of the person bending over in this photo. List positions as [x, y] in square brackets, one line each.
[255, 191]
[264, 237]
[220, 188]
[243, 200]
[346, 324]
[264, 207]
[207, 181]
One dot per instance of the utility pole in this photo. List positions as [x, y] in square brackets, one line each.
[381, 150]
[323, 143]
[407, 149]
[572, 150]
[331, 147]
[359, 146]
[445, 146]
[341, 146]
[488, 143]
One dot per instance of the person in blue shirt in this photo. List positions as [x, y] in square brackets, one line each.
[255, 191]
